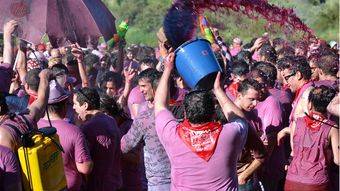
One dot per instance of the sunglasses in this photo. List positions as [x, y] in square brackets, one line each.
[290, 75]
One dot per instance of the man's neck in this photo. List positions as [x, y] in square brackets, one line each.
[301, 83]
[198, 125]
[237, 102]
[53, 116]
[92, 113]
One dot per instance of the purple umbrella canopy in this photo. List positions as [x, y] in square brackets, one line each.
[64, 21]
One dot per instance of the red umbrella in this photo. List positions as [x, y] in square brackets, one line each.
[62, 20]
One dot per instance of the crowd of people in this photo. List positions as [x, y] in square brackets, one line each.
[127, 121]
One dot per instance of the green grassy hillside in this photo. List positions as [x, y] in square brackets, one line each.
[146, 16]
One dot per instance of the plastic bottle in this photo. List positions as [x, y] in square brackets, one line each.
[121, 32]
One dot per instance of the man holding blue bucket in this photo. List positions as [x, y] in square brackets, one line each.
[202, 153]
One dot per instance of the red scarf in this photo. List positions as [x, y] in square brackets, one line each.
[32, 97]
[233, 88]
[298, 91]
[311, 123]
[201, 140]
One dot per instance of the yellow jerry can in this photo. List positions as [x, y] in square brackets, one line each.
[42, 165]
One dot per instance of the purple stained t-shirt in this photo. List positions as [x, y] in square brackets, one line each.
[180, 94]
[23, 123]
[328, 83]
[135, 97]
[5, 77]
[75, 148]
[270, 114]
[10, 172]
[103, 136]
[190, 172]
[285, 98]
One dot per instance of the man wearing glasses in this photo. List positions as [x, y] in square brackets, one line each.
[297, 75]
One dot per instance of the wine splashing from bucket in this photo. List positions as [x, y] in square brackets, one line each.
[180, 21]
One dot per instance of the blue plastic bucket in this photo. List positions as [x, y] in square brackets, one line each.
[197, 64]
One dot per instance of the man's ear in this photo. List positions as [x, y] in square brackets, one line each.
[26, 86]
[309, 106]
[318, 70]
[238, 95]
[85, 106]
[299, 75]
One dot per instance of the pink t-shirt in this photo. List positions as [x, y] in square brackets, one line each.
[256, 56]
[270, 114]
[103, 136]
[75, 150]
[10, 171]
[235, 51]
[135, 97]
[190, 172]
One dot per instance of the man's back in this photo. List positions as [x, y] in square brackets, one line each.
[75, 150]
[190, 172]
[103, 137]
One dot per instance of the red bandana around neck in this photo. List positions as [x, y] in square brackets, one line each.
[314, 121]
[32, 97]
[298, 91]
[233, 88]
[201, 140]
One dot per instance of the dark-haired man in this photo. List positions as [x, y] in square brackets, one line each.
[283, 96]
[314, 138]
[298, 75]
[102, 134]
[76, 155]
[239, 71]
[328, 66]
[157, 164]
[203, 153]
[253, 154]
[267, 120]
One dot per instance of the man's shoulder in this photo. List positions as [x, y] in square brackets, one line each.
[239, 125]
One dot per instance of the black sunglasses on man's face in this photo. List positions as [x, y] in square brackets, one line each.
[290, 75]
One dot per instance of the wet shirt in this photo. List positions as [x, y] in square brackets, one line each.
[10, 171]
[253, 149]
[103, 136]
[75, 148]
[135, 97]
[157, 164]
[23, 125]
[5, 77]
[310, 154]
[131, 168]
[328, 83]
[189, 171]
[270, 114]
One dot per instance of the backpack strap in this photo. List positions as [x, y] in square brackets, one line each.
[14, 128]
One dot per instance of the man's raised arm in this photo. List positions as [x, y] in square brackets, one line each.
[163, 85]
